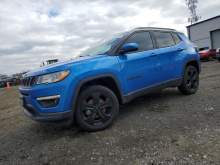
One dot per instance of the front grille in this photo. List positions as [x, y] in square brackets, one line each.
[28, 82]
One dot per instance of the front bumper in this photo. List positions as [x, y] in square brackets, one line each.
[64, 89]
[59, 113]
[64, 118]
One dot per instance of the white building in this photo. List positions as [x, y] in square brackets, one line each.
[205, 34]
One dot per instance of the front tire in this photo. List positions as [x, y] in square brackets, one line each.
[190, 82]
[97, 108]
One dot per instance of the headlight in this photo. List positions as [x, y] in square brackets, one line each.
[53, 77]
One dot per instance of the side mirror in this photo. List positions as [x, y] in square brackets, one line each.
[129, 48]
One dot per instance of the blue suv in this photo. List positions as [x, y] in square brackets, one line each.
[90, 88]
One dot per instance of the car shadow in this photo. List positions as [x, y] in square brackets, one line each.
[154, 102]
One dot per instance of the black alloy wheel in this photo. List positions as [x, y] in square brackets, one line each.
[97, 108]
[190, 81]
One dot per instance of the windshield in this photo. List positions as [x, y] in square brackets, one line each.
[103, 46]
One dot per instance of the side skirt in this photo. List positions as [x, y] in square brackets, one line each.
[173, 83]
[170, 83]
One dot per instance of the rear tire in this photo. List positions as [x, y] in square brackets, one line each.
[209, 58]
[190, 82]
[219, 59]
[97, 108]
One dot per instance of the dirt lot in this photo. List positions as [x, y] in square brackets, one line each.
[161, 128]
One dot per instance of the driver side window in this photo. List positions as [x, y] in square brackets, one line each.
[143, 39]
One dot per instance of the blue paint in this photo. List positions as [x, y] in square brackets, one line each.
[130, 47]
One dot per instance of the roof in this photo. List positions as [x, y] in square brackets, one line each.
[155, 28]
[203, 21]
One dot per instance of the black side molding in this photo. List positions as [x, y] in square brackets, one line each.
[188, 61]
[141, 92]
[150, 89]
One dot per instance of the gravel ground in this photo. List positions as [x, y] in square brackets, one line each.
[161, 128]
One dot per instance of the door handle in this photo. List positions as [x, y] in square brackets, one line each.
[153, 55]
[180, 49]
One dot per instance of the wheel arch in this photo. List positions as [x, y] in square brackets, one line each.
[193, 62]
[108, 80]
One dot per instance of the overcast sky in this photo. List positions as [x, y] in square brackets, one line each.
[36, 31]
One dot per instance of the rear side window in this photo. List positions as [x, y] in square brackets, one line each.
[164, 39]
[143, 39]
[176, 38]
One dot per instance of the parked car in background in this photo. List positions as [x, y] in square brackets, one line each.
[208, 54]
[15, 82]
[4, 80]
[11, 80]
[218, 54]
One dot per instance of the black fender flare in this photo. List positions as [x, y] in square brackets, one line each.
[85, 80]
[188, 61]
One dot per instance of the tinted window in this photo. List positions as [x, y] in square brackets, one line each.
[164, 39]
[143, 39]
[176, 38]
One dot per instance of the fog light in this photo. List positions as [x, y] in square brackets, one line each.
[49, 101]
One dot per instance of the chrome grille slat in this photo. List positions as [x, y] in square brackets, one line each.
[28, 82]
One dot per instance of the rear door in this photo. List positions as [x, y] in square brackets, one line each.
[170, 54]
[140, 68]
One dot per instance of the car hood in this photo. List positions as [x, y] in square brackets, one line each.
[59, 66]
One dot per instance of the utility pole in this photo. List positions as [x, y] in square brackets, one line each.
[192, 7]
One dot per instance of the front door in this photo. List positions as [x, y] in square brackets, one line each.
[140, 69]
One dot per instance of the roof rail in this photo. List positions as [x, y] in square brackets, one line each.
[153, 28]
